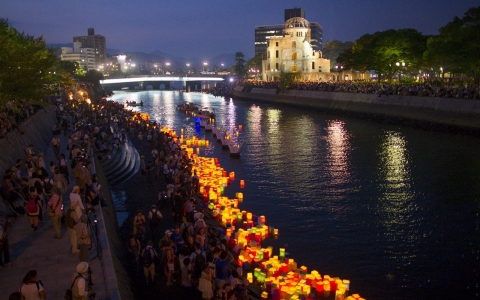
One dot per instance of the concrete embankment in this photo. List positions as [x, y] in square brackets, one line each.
[447, 113]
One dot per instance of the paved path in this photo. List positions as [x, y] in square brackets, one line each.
[52, 258]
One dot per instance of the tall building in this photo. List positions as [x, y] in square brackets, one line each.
[292, 53]
[84, 56]
[264, 32]
[96, 42]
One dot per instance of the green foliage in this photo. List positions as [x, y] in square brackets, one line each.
[388, 52]
[255, 62]
[27, 68]
[239, 68]
[287, 79]
[457, 46]
[332, 49]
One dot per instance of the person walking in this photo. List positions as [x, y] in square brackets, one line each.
[34, 208]
[32, 288]
[55, 203]
[83, 237]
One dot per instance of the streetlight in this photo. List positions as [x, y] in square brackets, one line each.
[205, 66]
[223, 66]
[167, 64]
[188, 68]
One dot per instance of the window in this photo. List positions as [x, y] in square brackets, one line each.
[294, 44]
[276, 44]
[276, 53]
[313, 65]
[294, 68]
[294, 56]
[276, 66]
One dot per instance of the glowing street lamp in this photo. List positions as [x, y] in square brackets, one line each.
[167, 64]
[205, 64]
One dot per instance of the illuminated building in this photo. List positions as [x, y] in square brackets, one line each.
[95, 41]
[263, 32]
[84, 56]
[293, 53]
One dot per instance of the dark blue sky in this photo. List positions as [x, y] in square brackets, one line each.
[206, 28]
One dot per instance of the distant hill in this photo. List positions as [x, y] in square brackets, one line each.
[228, 59]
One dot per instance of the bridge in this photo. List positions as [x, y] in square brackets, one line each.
[161, 83]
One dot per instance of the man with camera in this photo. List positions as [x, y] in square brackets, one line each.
[81, 289]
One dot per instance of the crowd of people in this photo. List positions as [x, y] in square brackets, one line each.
[422, 89]
[36, 189]
[188, 253]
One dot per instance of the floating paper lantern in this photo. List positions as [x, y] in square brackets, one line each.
[242, 184]
[240, 127]
[232, 175]
[250, 277]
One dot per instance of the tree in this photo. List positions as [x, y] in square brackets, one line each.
[255, 62]
[388, 52]
[27, 68]
[332, 49]
[240, 64]
[457, 46]
[287, 79]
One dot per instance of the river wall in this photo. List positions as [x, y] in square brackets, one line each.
[463, 114]
[38, 132]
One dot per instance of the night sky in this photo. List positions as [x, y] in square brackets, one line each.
[206, 28]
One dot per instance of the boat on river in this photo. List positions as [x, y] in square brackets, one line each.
[234, 149]
[187, 106]
[134, 103]
[205, 112]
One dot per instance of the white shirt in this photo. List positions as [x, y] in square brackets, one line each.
[75, 198]
[30, 291]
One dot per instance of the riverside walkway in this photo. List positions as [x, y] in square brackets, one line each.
[52, 258]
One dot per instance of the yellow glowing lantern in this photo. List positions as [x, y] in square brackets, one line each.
[264, 295]
[250, 277]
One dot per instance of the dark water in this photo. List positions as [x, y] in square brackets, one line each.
[393, 209]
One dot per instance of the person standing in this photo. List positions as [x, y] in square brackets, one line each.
[154, 216]
[83, 237]
[55, 203]
[76, 201]
[32, 288]
[80, 287]
[71, 219]
[139, 225]
[56, 145]
[149, 255]
[4, 246]
[34, 208]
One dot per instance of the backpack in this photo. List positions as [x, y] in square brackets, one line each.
[147, 257]
[198, 263]
[185, 232]
[48, 186]
[69, 221]
[32, 207]
[155, 218]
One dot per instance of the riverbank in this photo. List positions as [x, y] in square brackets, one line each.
[436, 113]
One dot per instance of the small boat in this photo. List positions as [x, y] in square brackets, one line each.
[186, 106]
[225, 141]
[205, 112]
[208, 126]
[134, 103]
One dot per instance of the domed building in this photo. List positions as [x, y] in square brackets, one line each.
[293, 53]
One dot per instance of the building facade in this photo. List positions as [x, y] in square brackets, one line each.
[264, 32]
[84, 56]
[96, 42]
[293, 53]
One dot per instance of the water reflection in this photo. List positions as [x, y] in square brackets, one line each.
[338, 148]
[397, 205]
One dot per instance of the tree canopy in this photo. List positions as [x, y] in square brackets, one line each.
[240, 68]
[332, 49]
[456, 49]
[27, 67]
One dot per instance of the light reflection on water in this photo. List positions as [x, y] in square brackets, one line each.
[352, 198]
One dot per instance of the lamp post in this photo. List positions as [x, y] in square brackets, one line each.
[205, 64]
[167, 64]
[188, 68]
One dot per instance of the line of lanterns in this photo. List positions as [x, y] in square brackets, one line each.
[279, 276]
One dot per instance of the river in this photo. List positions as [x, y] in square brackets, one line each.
[393, 209]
